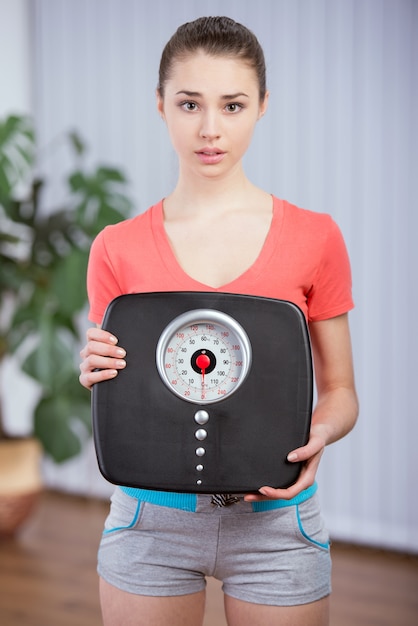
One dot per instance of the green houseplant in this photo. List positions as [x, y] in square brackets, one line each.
[43, 261]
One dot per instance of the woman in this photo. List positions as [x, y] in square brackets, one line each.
[273, 560]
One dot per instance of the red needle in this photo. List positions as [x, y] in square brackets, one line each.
[203, 362]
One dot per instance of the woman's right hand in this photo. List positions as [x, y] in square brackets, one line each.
[101, 357]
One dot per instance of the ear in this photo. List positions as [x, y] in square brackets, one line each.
[264, 105]
[160, 104]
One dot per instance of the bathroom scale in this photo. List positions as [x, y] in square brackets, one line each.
[216, 392]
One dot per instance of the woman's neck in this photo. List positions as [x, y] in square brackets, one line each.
[197, 196]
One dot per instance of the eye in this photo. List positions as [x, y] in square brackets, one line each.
[234, 107]
[189, 106]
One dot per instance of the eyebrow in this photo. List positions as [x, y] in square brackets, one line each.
[197, 94]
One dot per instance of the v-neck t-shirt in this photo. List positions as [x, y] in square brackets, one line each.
[303, 260]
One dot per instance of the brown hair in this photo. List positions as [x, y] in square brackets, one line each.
[217, 36]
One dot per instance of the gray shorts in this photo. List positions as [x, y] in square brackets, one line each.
[276, 557]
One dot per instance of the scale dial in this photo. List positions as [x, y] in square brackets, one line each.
[203, 356]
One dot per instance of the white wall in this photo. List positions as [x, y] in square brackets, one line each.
[340, 136]
[15, 74]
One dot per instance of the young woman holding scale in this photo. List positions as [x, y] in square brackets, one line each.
[274, 561]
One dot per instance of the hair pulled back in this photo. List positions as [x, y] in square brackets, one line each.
[217, 36]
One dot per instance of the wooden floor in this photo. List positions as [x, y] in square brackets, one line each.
[47, 574]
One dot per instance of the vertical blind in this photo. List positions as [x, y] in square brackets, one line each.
[340, 137]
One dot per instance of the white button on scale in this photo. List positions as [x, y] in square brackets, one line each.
[201, 434]
[201, 417]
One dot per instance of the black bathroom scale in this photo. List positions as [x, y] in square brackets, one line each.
[216, 392]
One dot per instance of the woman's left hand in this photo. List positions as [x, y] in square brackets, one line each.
[310, 456]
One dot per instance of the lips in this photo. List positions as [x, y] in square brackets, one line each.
[210, 156]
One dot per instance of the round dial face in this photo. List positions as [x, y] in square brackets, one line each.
[203, 356]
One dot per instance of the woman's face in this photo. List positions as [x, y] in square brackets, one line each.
[211, 105]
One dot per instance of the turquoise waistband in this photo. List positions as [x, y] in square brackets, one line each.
[188, 501]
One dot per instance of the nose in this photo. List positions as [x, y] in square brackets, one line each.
[210, 126]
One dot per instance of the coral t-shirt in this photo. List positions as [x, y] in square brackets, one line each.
[303, 260]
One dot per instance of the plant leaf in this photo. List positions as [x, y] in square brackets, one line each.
[52, 427]
[77, 143]
[68, 281]
[51, 362]
[17, 151]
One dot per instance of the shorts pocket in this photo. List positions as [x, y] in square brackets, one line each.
[310, 525]
[125, 513]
